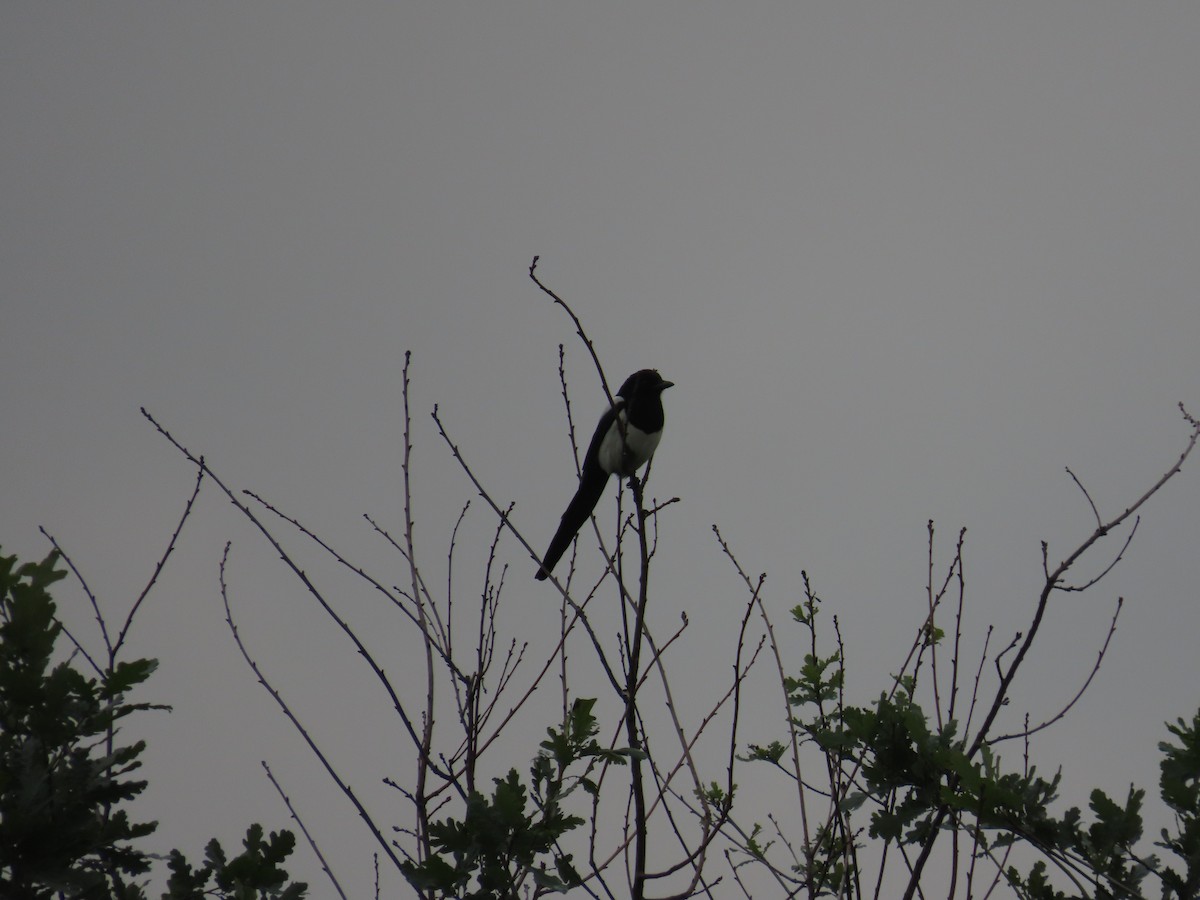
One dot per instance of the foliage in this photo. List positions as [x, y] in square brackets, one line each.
[497, 844]
[64, 776]
[1179, 783]
[59, 780]
[257, 872]
[918, 779]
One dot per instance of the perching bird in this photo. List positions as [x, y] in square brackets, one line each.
[638, 405]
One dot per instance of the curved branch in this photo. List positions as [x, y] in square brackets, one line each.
[587, 341]
[287, 711]
[1112, 628]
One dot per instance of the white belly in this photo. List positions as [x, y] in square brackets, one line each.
[639, 447]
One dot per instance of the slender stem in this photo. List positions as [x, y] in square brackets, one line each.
[420, 798]
[632, 731]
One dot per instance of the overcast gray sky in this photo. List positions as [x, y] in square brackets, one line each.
[904, 260]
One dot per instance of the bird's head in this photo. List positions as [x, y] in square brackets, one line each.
[642, 383]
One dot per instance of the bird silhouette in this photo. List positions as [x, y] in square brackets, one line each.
[626, 437]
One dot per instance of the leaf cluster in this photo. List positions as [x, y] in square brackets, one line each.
[908, 770]
[1179, 783]
[61, 777]
[256, 872]
[511, 836]
[65, 773]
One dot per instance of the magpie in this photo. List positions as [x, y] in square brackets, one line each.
[625, 439]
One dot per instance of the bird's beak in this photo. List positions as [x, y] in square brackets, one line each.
[666, 384]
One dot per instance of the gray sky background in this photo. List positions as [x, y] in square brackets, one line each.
[903, 260]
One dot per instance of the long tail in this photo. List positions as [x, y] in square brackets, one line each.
[591, 489]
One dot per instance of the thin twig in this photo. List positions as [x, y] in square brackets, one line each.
[162, 561]
[426, 740]
[987, 639]
[1025, 733]
[930, 630]
[507, 520]
[376, 669]
[1091, 502]
[86, 590]
[587, 341]
[1079, 588]
[755, 589]
[311, 842]
[96, 667]
[958, 619]
[301, 730]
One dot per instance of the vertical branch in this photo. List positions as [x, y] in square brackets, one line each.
[755, 588]
[564, 625]
[958, 617]
[632, 731]
[633, 644]
[420, 797]
[931, 632]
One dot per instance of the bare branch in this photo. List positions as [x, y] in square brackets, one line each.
[301, 730]
[1054, 581]
[1068, 588]
[958, 619]
[424, 763]
[1091, 502]
[162, 561]
[311, 842]
[987, 640]
[587, 341]
[507, 521]
[1026, 732]
[395, 599]
[378, 671]
[91, 598]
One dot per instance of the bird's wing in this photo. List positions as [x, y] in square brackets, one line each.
[591, 459]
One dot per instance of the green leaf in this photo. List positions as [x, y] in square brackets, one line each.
[126, 675]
